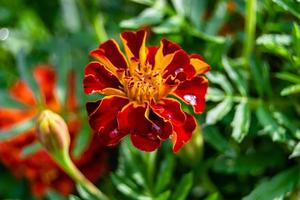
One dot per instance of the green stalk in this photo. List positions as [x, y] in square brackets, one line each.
[249, 30]
[64, 161]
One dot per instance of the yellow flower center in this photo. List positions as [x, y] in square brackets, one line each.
[142, 84]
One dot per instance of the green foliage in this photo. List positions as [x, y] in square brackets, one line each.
[251, 127]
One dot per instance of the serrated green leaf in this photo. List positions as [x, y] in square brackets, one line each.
[17, 129]
[290, 6]
[180, 6]
[217, 113]
[241, 121]
[274, 39]
[183, 188]
[276, 187]
[292, 89]
[282, 119]
[195, 12]
[221, 80]
[276, 132]
[235, 77]
[164, 175]
[214, 94]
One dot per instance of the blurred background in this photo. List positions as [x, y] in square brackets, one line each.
[248, 144]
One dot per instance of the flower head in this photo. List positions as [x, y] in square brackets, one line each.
[38, 167]
[138, 89]
[52, 132]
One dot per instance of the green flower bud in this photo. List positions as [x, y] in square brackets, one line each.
[52, 132]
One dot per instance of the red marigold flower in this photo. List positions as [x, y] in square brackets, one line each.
[41, 171]
[137, 91]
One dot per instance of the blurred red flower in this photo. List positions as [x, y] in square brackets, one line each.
[137, 91]
[38, 167]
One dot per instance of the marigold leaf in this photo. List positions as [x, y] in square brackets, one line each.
[276, 187]
[292, 89]
[183, 187]
[217, 113]
[290, 6]
[241, 121]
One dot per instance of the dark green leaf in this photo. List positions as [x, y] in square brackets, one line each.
[276, 187]
[183, 188]
[164, 176]
[291, 6]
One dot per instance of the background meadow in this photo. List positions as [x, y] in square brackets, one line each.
[247, 146]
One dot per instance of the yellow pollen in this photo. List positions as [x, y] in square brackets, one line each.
[142, 84]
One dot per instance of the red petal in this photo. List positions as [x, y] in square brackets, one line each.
[71, 100]
[133, 42]
[183, 133]
[144, 143]
[11, 116]
[169, 47]
[179, 65]
[151, 55]
[46, 80]
[110, 51]
[148, 130]
[199, 64]
[103, 120]
[22, 93]
[193, 92]
[97, 78]
[169, 109]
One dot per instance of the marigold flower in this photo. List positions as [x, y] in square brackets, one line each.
[38, 167]
[138, 90]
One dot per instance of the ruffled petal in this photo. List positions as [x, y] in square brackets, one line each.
[22, 93]
[183, 133]
[169, 109]
[103, 120]
[135, 45]
[199, 64]
[165, 54]
[97, 78]
[146, 128]
[144, 143]
[193, 92]
[46, 80]
[110, 55]
[179, 67]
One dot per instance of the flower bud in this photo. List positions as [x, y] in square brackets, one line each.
[52, 132]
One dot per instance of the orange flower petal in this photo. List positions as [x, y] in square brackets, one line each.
[11, 116]
[193, 92]
[22, 93]
[110, 55]
[165, 54]
[46, 80]
[97, 78]
[183, 133]
[135, 45]
[198, 63]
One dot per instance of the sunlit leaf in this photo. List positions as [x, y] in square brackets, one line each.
[241, 121]
[217, 113]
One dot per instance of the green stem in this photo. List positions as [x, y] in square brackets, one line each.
[65, 162]
[249, 29]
